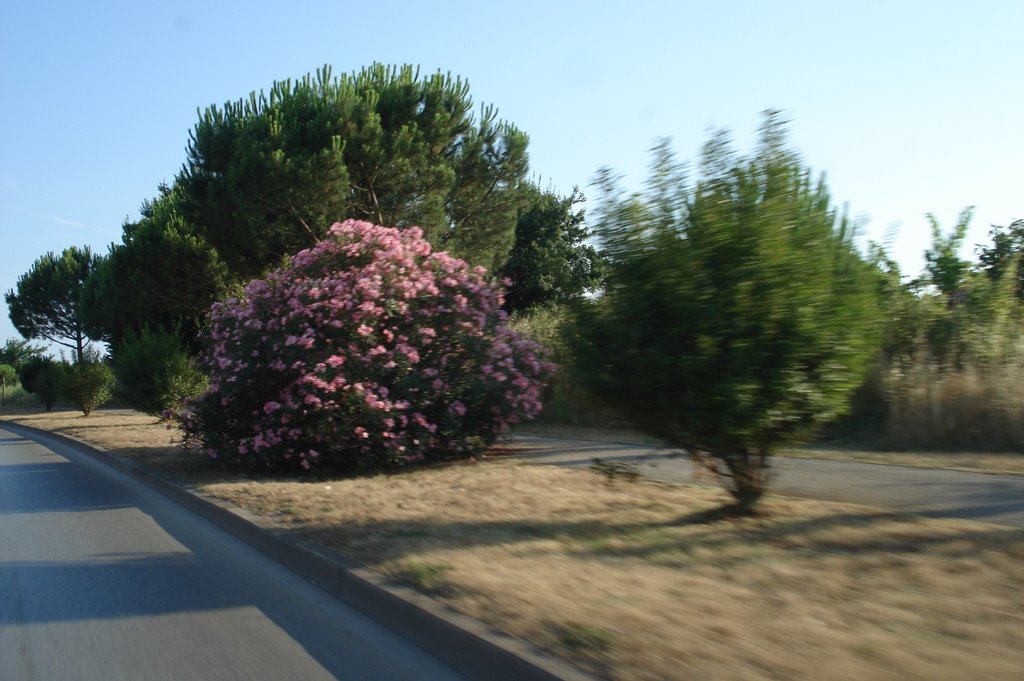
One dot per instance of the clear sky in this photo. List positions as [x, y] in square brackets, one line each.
[909, 107]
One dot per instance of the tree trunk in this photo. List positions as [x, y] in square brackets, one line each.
[750, 474]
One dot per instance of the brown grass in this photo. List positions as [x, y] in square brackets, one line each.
[975, 407]
[637, 581]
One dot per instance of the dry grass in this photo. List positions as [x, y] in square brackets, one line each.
[975, 407]
[640, 581]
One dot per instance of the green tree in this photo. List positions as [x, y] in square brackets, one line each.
[16, 352]
[161, 277]
[155, 373]
[737, 315]
[946, 269]
[88, 383]
[1007, 244]
[44, 377]
[46, 300]
[7, 375]
[551, 261]
[266, 176]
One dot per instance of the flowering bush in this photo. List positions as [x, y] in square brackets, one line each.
[366, 351]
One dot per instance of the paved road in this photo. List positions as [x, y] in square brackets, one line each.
[102, 579]
[929, 491]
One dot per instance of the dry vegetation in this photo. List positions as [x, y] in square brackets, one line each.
[642, 581]
[981, 406]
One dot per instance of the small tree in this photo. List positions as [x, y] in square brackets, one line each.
[162, 276]
[44, 377]
[88, 383]
[1007, 249]
[17, 352]
[946, 269]
[45, 301]
[156, 373]
[737, 316]
[7, 375]
[551, 261]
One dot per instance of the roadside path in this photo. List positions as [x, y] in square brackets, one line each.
[931, 492]
[104, 579]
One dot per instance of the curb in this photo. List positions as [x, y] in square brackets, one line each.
[467, 645]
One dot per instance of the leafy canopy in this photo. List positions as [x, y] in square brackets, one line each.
[161, 277]
[551, 261]
[737, 314]
[45, 303]
[17, 352]
[267, 175]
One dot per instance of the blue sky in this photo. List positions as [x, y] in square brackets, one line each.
[909, 107]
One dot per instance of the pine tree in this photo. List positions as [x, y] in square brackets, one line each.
[266, 176]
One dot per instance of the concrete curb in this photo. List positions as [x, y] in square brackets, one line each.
[467, 645]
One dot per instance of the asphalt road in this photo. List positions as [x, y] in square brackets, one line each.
[103, 579]
[926, 491]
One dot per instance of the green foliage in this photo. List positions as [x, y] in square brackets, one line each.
[1007, 247]
[550, 262]
[7, 377]
[156, 373]
[43, 377]
[16, 352]
[584, 637]
[89, 383]
[45, 303]
[738, 315]
[952, 353]
[267, 175]
[565, 401]
[161, 277]
[429, 577]
[946, 270]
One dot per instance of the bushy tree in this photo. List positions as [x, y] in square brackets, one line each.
[155, 372]
[44, 377]
[89, 383]
[946, 269]
[367, 351]
[737, 315]
[161, 277]
[17, 352]
[267, 175]
[1007, 247]
[46, 300]
[551, 261]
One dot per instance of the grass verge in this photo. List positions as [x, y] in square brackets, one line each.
[631, 581]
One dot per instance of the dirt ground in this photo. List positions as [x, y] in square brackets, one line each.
[638, 580]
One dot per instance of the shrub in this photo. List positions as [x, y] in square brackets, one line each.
[365, 351]
[88, 383]
[738, 315]
[565, 400]
[44, 377]
[155, 372]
